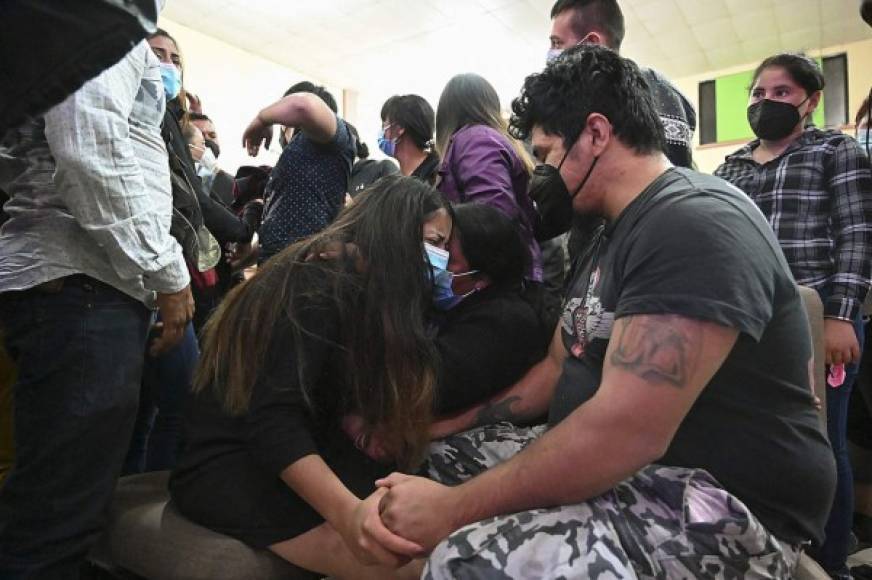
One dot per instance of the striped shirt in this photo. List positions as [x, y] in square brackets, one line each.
[90, 188]
[817, 196]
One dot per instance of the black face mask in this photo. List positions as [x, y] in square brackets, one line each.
[216, 150]
[553, 200]
[773, 120]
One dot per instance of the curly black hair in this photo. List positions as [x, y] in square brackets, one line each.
[589, 79]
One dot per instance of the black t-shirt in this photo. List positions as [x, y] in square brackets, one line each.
[485, 343]
[367, 171]
[693, 245]
[428, 171]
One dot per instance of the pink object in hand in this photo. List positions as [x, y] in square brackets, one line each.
[836, 375]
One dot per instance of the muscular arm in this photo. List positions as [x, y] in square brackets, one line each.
[523, 402]
[656, 367]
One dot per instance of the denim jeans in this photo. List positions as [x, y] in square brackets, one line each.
[166, 383]
[833, 554]
[79, 354]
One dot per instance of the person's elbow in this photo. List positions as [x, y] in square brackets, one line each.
[648, 443]
[305, 109]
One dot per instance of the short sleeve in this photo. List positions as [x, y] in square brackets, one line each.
[700, 257]
[280, 421]
[343, 142]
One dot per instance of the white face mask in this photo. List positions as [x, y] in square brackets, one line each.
[552, 54]
[555, 52]
[208, 160]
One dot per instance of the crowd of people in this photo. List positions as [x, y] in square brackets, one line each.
[536, 347]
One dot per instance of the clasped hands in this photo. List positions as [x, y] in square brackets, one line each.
[405, 518]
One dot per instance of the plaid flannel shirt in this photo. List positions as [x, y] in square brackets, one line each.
[817, 196]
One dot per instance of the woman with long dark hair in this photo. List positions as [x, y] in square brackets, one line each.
[482, 163]
[813, 187]
[292, 350]
[486, 331]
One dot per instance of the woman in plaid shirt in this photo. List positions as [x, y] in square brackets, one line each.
[815, 188]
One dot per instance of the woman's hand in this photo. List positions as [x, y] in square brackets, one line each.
[840, 342]
[340, 251]
[418, 508]
[370, 541]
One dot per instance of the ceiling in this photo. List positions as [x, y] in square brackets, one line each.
[417, 45]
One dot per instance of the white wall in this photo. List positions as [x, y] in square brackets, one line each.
[233, 85]
[708, 157]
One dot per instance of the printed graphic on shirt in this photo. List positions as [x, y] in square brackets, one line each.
[585, 319]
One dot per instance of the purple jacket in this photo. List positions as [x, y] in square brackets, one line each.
[481, 166]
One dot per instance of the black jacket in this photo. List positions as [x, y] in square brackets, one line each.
[218, 219]
[486, 343]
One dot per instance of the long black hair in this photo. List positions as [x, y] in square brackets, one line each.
[381, 304]
[469, 99]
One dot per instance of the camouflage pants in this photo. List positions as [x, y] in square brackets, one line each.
[663, 523]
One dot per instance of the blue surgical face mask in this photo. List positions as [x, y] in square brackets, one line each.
[444, 297]
[387, 146]
[552, 54]
[172, 80]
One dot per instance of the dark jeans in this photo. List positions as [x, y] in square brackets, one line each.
[79, 354]
[166, 382]
[834, 552]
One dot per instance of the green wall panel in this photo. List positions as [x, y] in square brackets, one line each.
[731, 92]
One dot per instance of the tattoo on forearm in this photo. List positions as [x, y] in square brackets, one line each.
[661, 349]
[498, 411]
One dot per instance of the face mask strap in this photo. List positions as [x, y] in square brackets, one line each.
[566, 154]
[586, 177]
[802, 118]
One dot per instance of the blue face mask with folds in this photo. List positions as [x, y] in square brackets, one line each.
[172, 80]
[444, 297]
[387, 146]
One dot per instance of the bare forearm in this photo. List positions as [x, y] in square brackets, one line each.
[315, 482]
[304, 111]
[656, 366]
[522, 403]
[288, 111]
[578, 459]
